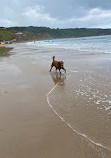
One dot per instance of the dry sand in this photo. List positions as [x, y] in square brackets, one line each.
[29, 126]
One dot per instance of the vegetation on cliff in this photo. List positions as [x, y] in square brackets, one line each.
[41, 33]
[6, 34]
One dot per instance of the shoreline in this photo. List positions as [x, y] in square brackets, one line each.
[69, 126]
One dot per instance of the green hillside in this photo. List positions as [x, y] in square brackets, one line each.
[6, 33]
[41, 33]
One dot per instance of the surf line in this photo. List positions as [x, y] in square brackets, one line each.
[81, 134]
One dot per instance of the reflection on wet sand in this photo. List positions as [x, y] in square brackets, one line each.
[57, 77]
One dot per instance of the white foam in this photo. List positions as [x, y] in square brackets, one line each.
[77, 132]
[107, 108]
[98, 101]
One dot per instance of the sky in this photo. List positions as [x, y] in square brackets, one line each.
[56, 13]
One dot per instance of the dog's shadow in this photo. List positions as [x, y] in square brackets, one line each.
[58, 78]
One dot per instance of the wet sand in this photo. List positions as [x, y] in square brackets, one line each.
[45, 115]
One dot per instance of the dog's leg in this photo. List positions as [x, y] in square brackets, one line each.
[64, 69]
[51, 66]
[60, 71]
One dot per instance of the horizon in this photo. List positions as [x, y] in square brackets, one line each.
[55, 28]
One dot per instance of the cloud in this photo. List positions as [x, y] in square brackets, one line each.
[37, 16]
[8, 17]
[95, 17]
[96, 13]
[55, 14]
[7, 23]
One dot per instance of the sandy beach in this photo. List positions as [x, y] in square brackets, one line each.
[48, 115]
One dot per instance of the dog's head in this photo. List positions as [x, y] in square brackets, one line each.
[53, 57]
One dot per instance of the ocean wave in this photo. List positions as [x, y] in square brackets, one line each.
[77, 131]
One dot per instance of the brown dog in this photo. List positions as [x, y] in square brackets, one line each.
[58, 65]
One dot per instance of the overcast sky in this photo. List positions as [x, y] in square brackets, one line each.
[56, 13]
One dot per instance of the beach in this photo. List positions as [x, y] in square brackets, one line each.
[47, 115]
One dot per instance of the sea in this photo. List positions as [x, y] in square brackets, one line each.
[95, 44]
[81, 98]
